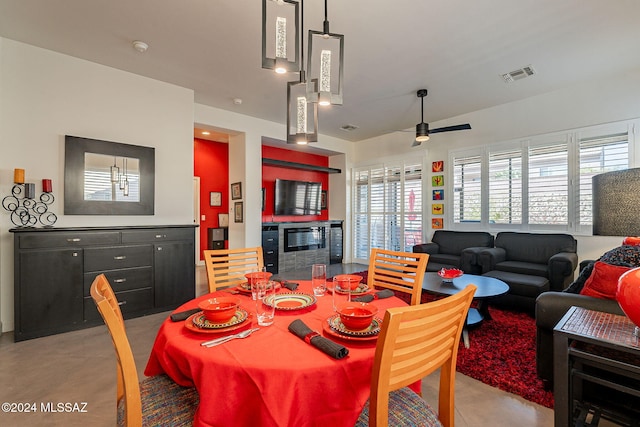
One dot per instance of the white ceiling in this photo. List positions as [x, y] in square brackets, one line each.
[457, 49]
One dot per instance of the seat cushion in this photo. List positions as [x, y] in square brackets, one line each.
[164, 403]
[406, 408]
[521, 284]
[522, 267]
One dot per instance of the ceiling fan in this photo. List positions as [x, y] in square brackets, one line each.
[422, 128]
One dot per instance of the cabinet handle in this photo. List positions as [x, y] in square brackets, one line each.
[74, 254]
[159, 248]
[75, 239]
[120, 257]
[120, 280]
[269, 240]
[122, 302]
[161, 236]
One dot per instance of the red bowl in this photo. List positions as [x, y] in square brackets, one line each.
[450, 273]
[219, 309]
[348, 281]
[357, 315]
[264, 275]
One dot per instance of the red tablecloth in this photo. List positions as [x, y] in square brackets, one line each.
[271, 378]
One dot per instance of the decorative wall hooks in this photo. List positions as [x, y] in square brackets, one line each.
[25, 210]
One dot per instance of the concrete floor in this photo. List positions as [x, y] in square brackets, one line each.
[79, 367]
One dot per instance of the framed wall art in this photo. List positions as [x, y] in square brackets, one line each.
[236, 191]
[215, 198]
[223, 220]
[237, 212]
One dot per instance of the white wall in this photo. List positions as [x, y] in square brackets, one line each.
[610, 100]
[46, 95]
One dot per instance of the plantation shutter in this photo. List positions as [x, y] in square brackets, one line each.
[467, 185]
[505, 187]
[549, 184]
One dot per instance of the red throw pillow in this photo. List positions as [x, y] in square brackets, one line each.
[603, 281]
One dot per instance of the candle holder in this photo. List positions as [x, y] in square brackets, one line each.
[26, 211]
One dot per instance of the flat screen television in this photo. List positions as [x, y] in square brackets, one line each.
[297, 197]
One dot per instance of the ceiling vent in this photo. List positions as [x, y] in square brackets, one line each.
[348, 128]
[519, 74]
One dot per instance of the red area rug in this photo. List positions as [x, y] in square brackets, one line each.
[502, 354]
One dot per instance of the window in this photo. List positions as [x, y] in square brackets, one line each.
[467, 201]
[542, 183]
[387, 208]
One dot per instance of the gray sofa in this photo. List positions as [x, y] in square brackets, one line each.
[551, 306]
[455, 249]
[530, 264]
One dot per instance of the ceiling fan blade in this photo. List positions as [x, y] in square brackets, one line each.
[451, 128]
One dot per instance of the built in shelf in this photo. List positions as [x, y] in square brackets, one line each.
[294, 165]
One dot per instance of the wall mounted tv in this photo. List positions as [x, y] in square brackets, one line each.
[297, 197]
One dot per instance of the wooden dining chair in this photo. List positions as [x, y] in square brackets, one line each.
[227, 267]
[156, 400]
[414, 342]
[398, 271]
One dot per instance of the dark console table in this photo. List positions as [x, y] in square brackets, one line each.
[151, 269]
[596, 368]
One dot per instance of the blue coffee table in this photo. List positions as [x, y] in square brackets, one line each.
[487, 287]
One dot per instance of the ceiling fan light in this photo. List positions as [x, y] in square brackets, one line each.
[422, 132]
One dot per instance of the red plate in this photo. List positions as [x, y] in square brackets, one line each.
[193, 328]
[327, 330]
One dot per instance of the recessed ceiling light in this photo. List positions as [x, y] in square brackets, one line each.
[140, 46]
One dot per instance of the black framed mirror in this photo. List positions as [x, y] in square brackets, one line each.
[108, 178]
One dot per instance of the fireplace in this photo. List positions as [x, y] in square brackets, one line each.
[304, 238]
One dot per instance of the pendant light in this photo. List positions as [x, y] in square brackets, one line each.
[326, 64]
[280, 42]
[302, 115]
[115, 172]
[422, 128]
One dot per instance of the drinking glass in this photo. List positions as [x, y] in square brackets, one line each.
[265, 290]
[254, 281]
[319, 279]
[339, 295]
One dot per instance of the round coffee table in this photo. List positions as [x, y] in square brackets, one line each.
[487, 287]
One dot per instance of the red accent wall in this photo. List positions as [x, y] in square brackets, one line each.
[211, 164]
[270, 173]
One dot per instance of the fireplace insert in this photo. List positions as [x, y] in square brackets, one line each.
[304, 238]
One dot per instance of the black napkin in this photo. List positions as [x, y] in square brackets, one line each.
[292, 286]
[183, 315]
[386, 293]
[302, 331]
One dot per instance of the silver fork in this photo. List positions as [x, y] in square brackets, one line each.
[223, 340]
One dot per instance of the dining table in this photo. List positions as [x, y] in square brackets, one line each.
[272, 377]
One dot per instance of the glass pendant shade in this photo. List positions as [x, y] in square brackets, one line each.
[280, 35]
[325, 64]
[302, 115]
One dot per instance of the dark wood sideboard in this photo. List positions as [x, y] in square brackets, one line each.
[151, 269]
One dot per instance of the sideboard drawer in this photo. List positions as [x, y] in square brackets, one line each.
[97, 259]
[157, 235]
[130, 302]
[126, 279]
[54, 239]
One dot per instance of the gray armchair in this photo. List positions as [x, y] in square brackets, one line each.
[530, 264]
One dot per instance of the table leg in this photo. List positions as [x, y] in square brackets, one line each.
[562, 404]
